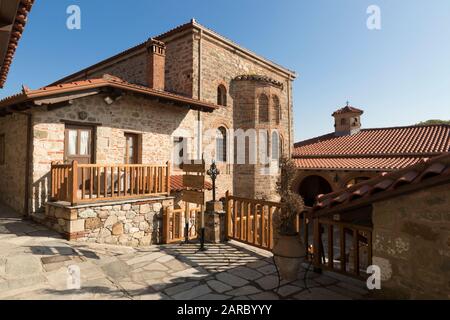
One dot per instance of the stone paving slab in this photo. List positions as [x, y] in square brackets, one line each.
[34, 264]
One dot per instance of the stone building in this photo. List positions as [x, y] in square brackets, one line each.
[350, 155]
[150, 104]
[408, 213]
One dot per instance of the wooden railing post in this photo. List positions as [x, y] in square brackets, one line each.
[316, 246]
[227, 214]
[74, 183]
[166, 223]
[168, 178]
[53, 182]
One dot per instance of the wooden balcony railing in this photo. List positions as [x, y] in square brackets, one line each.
[83, 183]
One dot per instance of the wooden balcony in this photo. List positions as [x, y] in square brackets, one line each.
[89, 183]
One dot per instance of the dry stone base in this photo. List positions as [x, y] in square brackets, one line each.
[130, 224]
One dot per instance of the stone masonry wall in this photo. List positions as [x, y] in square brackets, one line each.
[12, 173]
[411, 244]
[156, 123]
[131, 224]
[132, 69]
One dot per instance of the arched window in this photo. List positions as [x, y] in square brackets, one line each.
[263, 104]
[221, 95]
[221, 145]
[276, 114]
[275, 146]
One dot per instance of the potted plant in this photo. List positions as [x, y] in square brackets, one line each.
[288, 251]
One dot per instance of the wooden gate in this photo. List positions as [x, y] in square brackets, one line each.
[173, 224]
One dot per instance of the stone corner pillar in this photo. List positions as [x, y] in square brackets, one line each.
[215, 222]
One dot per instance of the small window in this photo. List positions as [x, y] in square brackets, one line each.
[178, 151]
[263, 104]
[276, 110]
[221, 145]
[275, 146]
[343, 121]
[2, 149]
[132, 150]
[221, 95]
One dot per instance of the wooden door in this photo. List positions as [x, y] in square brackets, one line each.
[131, 148]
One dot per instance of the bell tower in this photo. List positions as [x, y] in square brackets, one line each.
[347, 120]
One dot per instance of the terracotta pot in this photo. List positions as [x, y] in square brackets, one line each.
[289, 253]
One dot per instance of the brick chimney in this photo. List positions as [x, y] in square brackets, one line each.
[156, 60]
[347, 120]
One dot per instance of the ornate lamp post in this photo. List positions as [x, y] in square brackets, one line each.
[213, 172]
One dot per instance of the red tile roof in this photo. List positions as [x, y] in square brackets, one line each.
[360, 163]
[176, 183]
[16, 33]
[106, 81]
[381, 148]
[348, 109]
[422, 175]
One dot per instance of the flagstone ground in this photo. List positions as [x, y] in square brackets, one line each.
[34, 265]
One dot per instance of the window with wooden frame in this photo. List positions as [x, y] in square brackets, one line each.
[263, 108]
[221, 145]
[79, 143]
[2, 150]
[178, 152]
[221, 95]
[133, 148]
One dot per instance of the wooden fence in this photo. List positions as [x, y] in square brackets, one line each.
[251, 221]
[174, 224]
[347, 249]
[84, 183]
[333, 245]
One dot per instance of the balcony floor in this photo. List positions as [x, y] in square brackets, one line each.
[34, 265]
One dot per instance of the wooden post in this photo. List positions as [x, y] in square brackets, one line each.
[74, 184]
[168, 178]
[228, 214]
[166, 222]
[356, 251]
[330, 246]
[342, 246]
[316, 248]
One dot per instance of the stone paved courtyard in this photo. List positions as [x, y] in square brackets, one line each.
[34, 265]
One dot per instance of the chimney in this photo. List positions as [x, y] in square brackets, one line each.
[347, 120]
[156, 60]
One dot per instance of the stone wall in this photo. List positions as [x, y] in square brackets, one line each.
[131, 68]
[156, 123]
[132, 223]
[411, 244]
[12, 173]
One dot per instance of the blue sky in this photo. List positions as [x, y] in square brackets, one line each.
[399, 75]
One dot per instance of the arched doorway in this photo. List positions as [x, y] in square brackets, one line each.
[311, 187]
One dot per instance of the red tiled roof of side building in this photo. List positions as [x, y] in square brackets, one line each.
[106, 81]
[176, 183]
[396, 141]
[357, 163]
[417, 177]
[16, 33]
